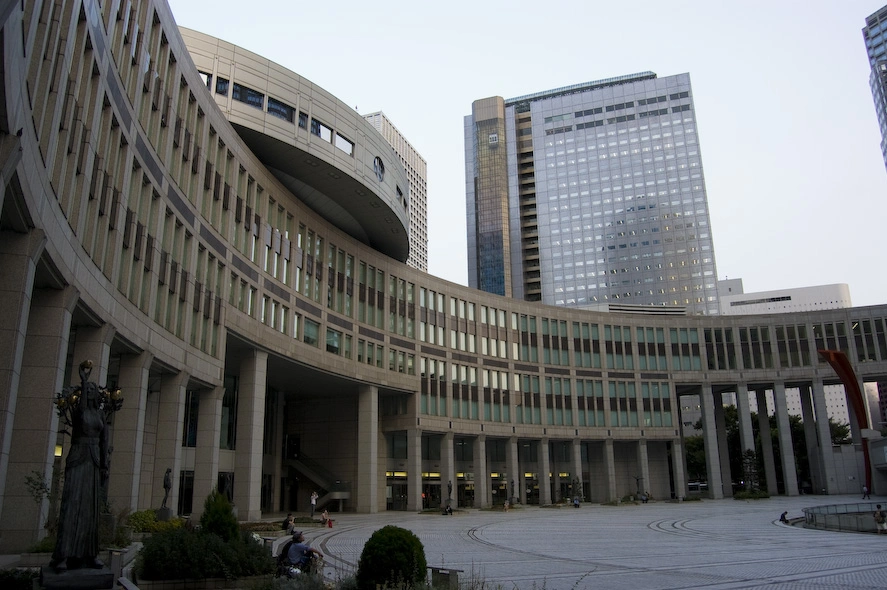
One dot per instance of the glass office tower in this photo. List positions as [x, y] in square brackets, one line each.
[591, 194]
[875, 35]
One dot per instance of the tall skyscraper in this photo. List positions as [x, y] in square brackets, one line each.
[417, 171]
[875, 35]
[591, 194]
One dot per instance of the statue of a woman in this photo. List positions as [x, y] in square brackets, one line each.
[78, 530]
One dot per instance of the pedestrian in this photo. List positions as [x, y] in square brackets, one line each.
[865, 493]
[313, 503]
[783, 517]
[880, 520]
[288, 524]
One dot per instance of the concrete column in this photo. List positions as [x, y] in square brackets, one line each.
[18, 262]
[723, 447]
[35, 425]
[610, 467]
[206, 453]
[576, 455]
[743, 408]
[168, 440]
[710, 441]
[277, 452]
[544, 473]
[481, 474]
[814, 458]
[766, 442]
[826, 452]
[128, 432]
[786, 450]
[511, 459]
[414, 469]
[448, 469]
[250, 434]
[677, 463]
[643, 466]
[367, 489]
[555, 469]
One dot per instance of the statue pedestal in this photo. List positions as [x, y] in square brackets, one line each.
[78, 579]
[164, 514]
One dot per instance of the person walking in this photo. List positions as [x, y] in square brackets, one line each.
[880, 520]
[865, 493]
[313, 502]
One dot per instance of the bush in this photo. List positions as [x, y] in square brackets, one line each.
[218, 517]
[18, 579]
[750, 495]
[185, 554]
[142, 521]
[391, 556]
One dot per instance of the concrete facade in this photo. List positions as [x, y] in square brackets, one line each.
[266, 351]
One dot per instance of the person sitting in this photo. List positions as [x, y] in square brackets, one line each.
[288, 523]
[299, 553]
[783, 518]
[324, 517]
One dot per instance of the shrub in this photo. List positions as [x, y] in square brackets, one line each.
[218, 517]
[13, 579]
[142, 521]
[391, 556]
[750, 495]
[185, 554]
[44, 545]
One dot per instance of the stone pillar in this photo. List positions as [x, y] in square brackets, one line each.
[710, 441]
[250, 434]
[814, 458]
[610, 468]
[677, 465]
[743, 409]
[544, 473]
[766, 442]
[414, 470]
[18, 262]
[481, 475]
[514, 479]
[168, 440]
[128, 432]
[367, 491]
[35, 426]
[723, 447]
[206, 451]
[448, 470]
[826, 452]
[786, 450]
[277, 452]
[576, 455]
[643, 466]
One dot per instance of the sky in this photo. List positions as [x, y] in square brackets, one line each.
[796, 184]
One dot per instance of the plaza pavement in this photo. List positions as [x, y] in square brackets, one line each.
[711, 544]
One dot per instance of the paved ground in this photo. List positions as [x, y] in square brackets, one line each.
[713, 544]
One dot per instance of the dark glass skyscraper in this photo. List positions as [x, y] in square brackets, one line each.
[875, 35]
[591, 194]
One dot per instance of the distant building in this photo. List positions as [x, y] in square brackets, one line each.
[591, 194]
[733, 301]
[875, 35]
[417, 171]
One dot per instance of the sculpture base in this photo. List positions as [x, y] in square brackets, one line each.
[78, 579]
[164, 514]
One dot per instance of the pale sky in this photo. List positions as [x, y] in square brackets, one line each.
[796, 183]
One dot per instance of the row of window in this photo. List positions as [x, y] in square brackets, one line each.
[619, 119]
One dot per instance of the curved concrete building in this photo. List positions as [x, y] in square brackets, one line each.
[241, 278]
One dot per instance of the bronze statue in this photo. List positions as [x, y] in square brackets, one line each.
[85, 410]
[167, 485]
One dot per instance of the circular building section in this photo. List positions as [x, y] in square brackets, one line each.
[323, 151]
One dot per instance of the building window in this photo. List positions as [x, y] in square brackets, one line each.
[222, 86]
[281, 110]
[309, 332]
[346, 145]
[303, 120]
[249, 96]
[333, 340]
[321, 130]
